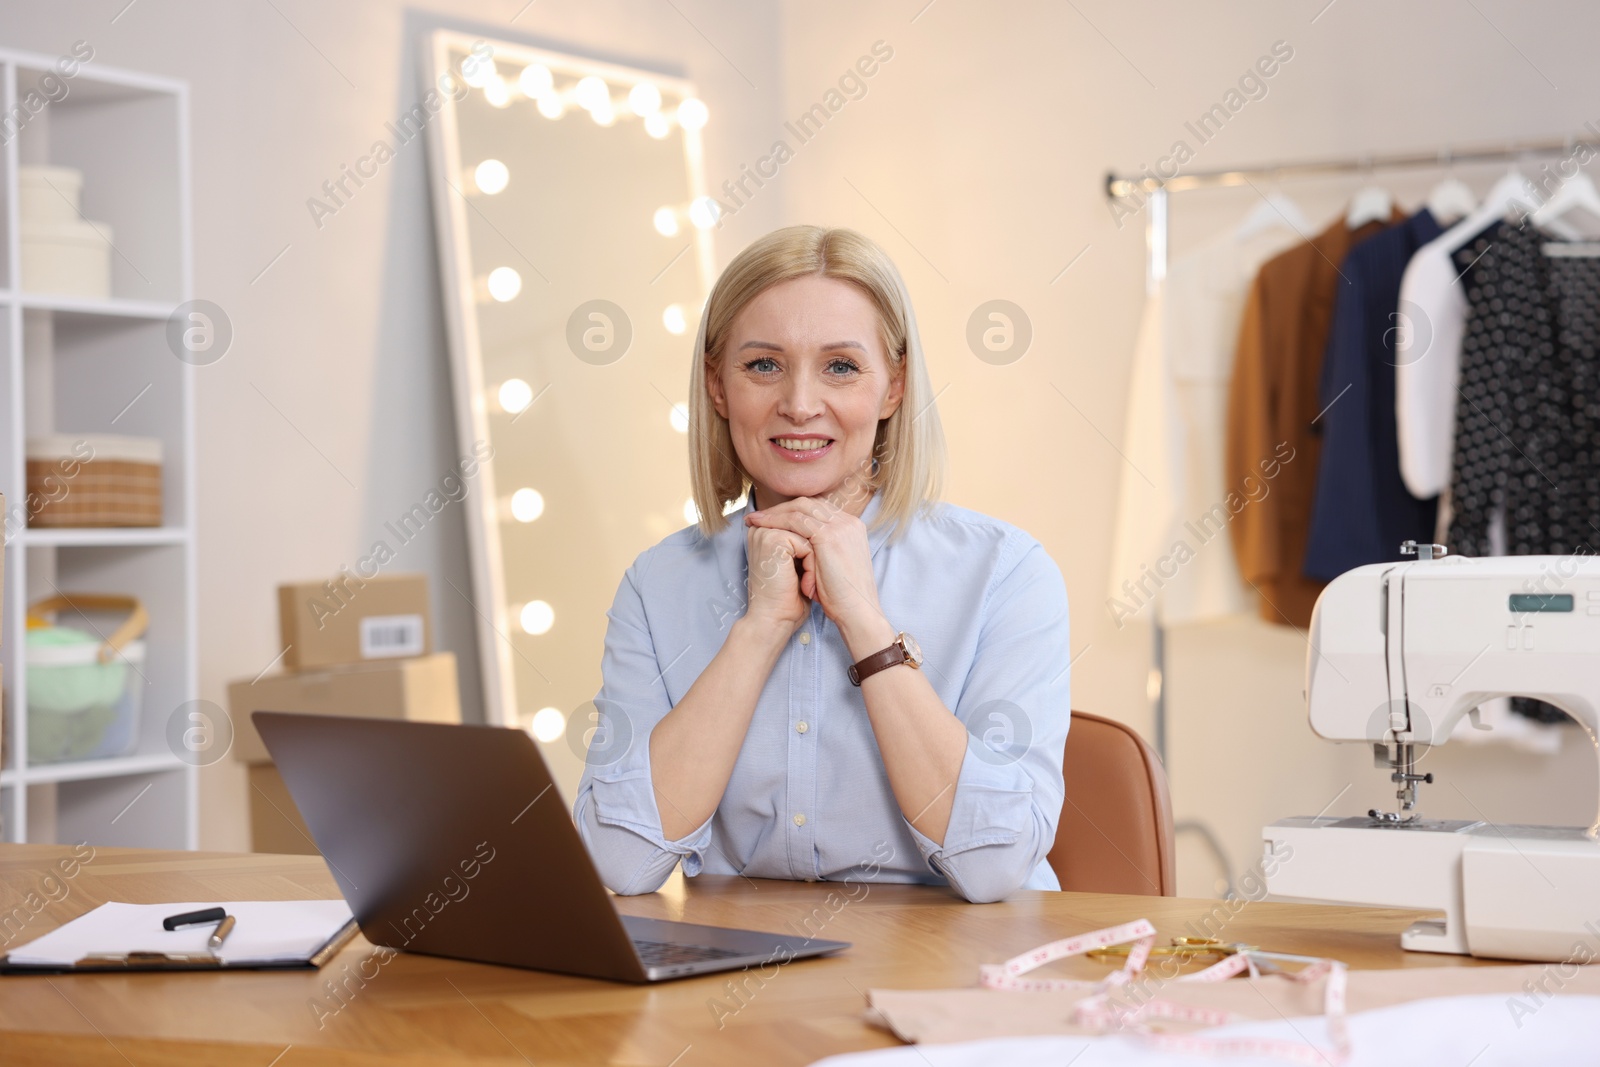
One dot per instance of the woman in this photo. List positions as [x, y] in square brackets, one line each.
[774, 718]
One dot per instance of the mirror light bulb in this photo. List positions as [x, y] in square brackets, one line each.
[691, 514]
[644, 99]
[537, 617]
[604, 114]
[526, 505]
[693, 113]
[550, 106]
[504, 284]
[515, 395]
[666, 221]
[680, 417]
[497, 92]
[673, 319]
[703, 212]
[477, 71]
[657, 125]
[548, 724]
[535, 80]
[593, 92]
[491, 176]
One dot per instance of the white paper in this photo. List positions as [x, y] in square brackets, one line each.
[1482, 1031]
[264, 931]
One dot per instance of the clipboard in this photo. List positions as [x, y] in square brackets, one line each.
[301, 953]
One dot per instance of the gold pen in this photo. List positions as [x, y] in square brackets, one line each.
[220, 934]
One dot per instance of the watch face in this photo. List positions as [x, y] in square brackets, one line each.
[913, 650]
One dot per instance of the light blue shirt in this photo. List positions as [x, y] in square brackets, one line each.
[809, 797]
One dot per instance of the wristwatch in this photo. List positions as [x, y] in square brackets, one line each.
[904, 650]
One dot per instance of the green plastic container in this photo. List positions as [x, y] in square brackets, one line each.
[78, 707]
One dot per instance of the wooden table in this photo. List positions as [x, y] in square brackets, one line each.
[423, 1010]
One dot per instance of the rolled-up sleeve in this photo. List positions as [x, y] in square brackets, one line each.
[616, 808]
[1016, 706]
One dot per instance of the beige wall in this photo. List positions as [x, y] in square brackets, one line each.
[976, 157]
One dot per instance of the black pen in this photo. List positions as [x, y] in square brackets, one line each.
[194, 918]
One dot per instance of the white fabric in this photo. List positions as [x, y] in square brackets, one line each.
[1173, 436]
[1483, 1031]
[1431, 322]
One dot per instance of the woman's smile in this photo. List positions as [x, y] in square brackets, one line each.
[802, 449]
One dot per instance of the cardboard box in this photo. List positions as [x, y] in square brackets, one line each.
[422, 689]
[351, 619]
[275, 823]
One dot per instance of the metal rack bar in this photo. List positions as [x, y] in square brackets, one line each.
[1120, 186]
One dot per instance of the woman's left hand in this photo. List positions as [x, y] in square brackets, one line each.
[838, 572]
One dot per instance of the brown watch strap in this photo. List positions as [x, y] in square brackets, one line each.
[878, 661]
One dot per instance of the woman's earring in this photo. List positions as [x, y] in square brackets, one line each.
[876, 466]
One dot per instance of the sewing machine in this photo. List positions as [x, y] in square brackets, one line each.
[1399, 653]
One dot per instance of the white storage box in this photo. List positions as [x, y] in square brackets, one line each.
[49, 195]
[67, 259]
[62, 252]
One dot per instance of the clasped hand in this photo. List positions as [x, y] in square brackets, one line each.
[807, 549]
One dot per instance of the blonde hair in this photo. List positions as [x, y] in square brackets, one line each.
[908, 452]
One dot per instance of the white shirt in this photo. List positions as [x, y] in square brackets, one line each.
[1173, 437]
[809, 797]
[1432, 320]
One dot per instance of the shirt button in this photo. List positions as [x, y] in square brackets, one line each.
[799, 820]
[801, 727]
[805, 637]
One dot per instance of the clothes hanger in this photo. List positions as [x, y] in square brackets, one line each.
[1451, 200]
[1574, 208]
[1274, 209]
[1371, 203]
[1513, 192]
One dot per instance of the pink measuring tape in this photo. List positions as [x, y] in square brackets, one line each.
[1101, 1013]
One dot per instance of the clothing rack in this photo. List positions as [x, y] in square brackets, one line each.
[1157, 189]
[1119, 187]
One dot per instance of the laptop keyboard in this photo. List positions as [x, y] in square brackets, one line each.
[666, 953]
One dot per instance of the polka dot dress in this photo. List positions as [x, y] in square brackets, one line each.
[1529, 405]
[1528, 414]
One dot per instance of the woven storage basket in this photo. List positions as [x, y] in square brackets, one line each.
[94, 480]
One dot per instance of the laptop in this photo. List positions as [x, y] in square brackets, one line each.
[453, 841]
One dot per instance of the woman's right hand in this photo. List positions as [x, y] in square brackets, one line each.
[774, 581]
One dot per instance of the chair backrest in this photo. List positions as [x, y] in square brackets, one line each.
[1115, 833]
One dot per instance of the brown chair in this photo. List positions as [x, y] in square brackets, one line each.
[1115, 834]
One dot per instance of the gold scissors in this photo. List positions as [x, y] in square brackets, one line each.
[1186, 948]
[1189, 948]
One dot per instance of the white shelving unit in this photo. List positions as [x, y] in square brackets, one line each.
[75, 365]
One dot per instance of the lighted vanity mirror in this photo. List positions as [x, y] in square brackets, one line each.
[576, 255]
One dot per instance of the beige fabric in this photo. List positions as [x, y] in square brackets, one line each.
[941, 1016]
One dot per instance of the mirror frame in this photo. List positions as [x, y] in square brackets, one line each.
[471, 402]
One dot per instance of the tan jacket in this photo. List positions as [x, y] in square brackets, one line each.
[1273, 450]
